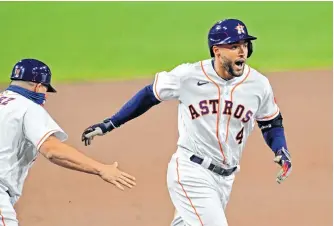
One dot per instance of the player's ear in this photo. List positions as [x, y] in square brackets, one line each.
[36, 88]
[40, 88]
[216, 51]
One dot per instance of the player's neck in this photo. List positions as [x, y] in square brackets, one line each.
[23, 84]
[38, 98]
[221, 72]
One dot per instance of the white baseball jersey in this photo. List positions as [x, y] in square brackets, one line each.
[24, 125]
[216, 116]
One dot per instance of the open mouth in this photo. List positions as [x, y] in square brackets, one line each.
[240, 63]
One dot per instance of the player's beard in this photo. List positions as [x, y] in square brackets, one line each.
[229, 65]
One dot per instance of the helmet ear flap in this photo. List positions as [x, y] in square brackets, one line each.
[250, 49]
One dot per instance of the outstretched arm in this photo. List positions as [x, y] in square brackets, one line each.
[68, 157]
[166, 86]
[136, 106]
[273, 133]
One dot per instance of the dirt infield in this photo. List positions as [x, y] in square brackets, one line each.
[54, 196]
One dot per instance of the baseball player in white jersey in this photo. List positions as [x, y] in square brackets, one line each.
[219, 101]
[27, 129]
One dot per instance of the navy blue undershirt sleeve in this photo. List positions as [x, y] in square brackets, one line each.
[145, 99]
[275, 138]
[136, 106]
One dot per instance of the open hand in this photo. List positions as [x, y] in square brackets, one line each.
[113, 175]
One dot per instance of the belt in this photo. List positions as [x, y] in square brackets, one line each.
[216, 169]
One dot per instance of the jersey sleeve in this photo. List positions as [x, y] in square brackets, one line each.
[167, 85]
[268, 107]
[38, 125]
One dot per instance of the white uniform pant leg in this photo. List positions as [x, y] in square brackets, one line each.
[226, 184]
[7, 211]
[195, 194]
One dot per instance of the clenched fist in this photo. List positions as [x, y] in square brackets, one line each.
[98, 129]
[283, 159]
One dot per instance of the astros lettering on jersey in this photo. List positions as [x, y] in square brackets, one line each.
[216, 116]
[220, 100]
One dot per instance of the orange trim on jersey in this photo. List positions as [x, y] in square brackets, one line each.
[2, 219]
[218, 114]
[231, 97]
[178, 180]
[270, 116]
[155, 87]
[48, 133]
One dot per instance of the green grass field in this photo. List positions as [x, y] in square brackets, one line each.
[103, 40]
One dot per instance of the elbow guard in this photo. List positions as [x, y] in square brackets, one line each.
[277, 122]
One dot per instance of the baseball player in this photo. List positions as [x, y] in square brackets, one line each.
[219, 101]
[27, 129]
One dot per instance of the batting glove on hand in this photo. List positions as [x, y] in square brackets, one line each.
[282, 158]
[99, 129]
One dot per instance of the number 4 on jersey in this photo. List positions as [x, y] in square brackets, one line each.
[240, 135]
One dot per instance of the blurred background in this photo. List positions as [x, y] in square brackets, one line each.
[84, 41]
[97, 41]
